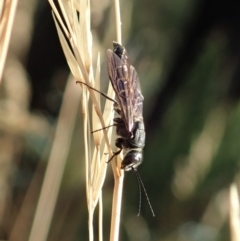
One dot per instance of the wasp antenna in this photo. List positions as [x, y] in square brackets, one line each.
[140, 183]
[139, 190]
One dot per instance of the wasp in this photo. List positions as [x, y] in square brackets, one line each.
[130, 125]
[129, 106]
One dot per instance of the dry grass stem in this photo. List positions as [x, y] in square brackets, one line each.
[118, 179]
[77, 33]
[116, 208]
[234, 213]
[7, 14]
[118, 21]
[55, 168]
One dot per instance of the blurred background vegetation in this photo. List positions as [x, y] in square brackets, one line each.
[187, 54]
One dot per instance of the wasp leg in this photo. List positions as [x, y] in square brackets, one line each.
[114, 154]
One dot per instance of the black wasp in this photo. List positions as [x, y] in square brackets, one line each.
[129, 106]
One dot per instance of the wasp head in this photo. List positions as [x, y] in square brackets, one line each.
[132, 160]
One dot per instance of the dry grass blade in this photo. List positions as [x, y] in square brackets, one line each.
[55, 168]
[7, 13]
[118, 176]
[234, 213]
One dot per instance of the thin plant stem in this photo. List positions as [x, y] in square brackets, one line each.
[86, 146]
[56, 164]
[100, 224]
[80, 62]
[6, 24]
[118, 176]
[116, 208]
[118, 21]
[234, 212]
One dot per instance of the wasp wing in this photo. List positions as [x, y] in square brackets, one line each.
[125, 82]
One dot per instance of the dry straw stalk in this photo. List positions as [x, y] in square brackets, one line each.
[7, 14]
[73, 27]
